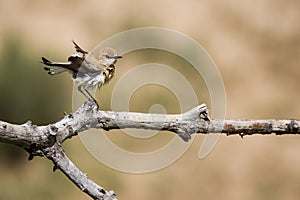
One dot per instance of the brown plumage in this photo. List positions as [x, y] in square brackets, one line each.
[89, 70]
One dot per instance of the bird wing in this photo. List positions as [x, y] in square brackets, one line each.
[78, 48]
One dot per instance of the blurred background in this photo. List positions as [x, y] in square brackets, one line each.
[255, 44]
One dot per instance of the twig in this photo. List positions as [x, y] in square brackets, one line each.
[47, 140]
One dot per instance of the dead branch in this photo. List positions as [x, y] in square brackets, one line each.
[46, 140]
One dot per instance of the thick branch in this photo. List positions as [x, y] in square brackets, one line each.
[47, 140]
[183, 124]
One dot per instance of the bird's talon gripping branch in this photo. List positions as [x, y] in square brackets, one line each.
[95, 105]
[91, 105]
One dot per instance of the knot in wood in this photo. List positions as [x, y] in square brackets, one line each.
[293, 126]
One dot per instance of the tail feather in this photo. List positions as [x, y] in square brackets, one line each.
[72, 66]
[46, 61]
[55, 64]
[55, 67]
[54, 71]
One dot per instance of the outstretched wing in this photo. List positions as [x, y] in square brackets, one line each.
[78, 48]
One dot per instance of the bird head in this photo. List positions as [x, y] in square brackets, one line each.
[109, 56]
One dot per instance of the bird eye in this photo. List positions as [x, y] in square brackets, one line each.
[107, 56]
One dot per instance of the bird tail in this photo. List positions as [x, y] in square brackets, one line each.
[55, 67]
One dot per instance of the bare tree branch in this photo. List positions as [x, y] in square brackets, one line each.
[62, 162]
[46, 140]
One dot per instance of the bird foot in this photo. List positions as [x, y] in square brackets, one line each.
[92, 105]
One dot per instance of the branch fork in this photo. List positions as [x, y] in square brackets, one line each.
[46, 140]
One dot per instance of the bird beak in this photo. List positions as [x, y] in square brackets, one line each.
[118, 57]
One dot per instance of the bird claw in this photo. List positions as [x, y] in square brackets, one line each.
[91, 105]
[97, 105]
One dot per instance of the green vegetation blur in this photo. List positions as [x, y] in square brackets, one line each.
[26, 94]
[27, 91]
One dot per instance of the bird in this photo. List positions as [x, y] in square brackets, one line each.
[89, 70]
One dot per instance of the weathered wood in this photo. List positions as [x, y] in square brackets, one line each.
[46, 140]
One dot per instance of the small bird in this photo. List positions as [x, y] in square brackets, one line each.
[90, 70]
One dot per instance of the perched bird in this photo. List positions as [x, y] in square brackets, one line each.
[90, 70]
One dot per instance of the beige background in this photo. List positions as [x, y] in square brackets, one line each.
[256, 46]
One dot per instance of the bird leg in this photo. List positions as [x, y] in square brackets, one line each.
[88, 95]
